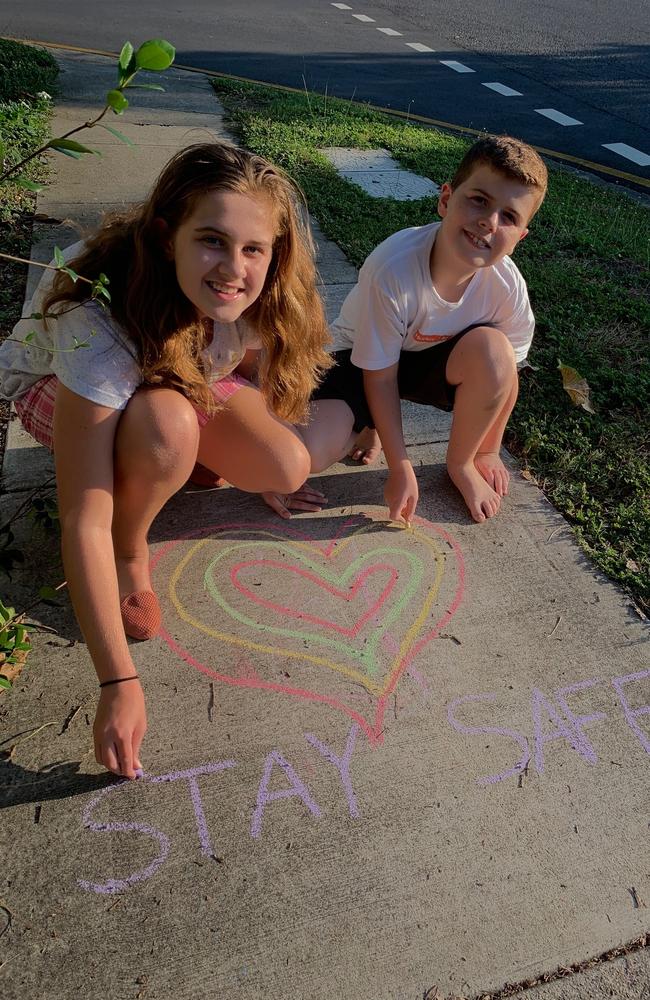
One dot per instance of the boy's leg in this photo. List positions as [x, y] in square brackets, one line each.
[483, 370]
[340, 419]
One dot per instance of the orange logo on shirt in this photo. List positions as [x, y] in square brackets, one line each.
[431, 338]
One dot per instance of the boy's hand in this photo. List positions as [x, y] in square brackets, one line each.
[401, 492]
[120, 725]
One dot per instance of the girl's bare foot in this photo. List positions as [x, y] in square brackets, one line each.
[481, 499]
[494, 472]
[367, 446]
[133, 573]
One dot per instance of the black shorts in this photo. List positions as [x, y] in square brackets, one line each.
[421, 378]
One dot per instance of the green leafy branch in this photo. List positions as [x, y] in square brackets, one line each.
[155, 55]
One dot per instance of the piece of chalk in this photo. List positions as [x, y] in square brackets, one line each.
[139, 773]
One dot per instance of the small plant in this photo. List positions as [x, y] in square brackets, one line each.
[153, 55]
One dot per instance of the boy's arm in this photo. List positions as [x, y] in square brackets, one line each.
[382, 393]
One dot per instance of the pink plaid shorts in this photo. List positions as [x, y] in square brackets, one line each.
[36, 407]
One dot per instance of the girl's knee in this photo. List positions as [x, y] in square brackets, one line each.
[158, 430]
[292, 467]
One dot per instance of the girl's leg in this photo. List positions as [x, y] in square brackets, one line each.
[252, 448]
[155, 451]
[483, 369]
[328, 436]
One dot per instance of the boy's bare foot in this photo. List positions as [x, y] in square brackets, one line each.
[367, 447]
[480, 498]
[493, 471]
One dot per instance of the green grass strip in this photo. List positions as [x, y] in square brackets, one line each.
[587, 264]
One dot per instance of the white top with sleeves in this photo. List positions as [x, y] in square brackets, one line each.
[394, 306]
[106, 371]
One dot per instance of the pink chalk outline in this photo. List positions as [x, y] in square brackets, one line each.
[372, 729]
[351, 633]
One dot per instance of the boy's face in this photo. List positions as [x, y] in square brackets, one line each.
[485, 217]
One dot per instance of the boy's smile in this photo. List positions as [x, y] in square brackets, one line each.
[483, 220]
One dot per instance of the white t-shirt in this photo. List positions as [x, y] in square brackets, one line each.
[106, 371]
[394, 306]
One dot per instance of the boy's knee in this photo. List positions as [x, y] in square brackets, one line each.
[490, 352]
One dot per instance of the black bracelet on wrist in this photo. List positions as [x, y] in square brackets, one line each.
[118, 680]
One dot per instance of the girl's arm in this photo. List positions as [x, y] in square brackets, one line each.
[382, 393]
[84, 437]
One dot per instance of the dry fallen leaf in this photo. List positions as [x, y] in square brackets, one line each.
[576, 386]
[632, 566]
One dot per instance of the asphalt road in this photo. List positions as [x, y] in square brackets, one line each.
[586, 65]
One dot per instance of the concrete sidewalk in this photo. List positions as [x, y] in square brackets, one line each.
[381, 764]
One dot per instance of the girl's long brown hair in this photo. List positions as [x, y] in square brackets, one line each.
[147, 303]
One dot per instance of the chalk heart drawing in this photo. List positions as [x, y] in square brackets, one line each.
[351, 613]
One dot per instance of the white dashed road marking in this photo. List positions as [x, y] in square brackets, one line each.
[458, 67]
[501, 88]
[620, 148]
[629, 152]
[557, 116]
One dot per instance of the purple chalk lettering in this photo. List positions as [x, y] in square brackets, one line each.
[632, 713]
[190, 776]
[573, 736]
[579, 721]
[460, 727]
[264, 796]
[342, 764]
[119, 885]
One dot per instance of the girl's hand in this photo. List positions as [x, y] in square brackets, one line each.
[401, 492]
[306, 498]
[120, 725]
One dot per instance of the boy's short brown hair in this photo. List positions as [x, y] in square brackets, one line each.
[508, 156]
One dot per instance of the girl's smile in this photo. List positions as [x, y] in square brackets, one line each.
[222, 252]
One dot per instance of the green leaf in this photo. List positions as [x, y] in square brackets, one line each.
[145, 86]
[117, 134]
[48, 593]
[71, 274]
[117, 101]
[125, 60]
[59, 259]
[69, 146]
[156, 54]
[4, 683]
[6, 613]
[24, 182]
[2, 153]
[29, 337]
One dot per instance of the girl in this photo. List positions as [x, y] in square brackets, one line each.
[211, 280]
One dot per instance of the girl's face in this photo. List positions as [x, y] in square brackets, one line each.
[222, 252]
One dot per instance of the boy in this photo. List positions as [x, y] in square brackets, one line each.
[440, 315]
